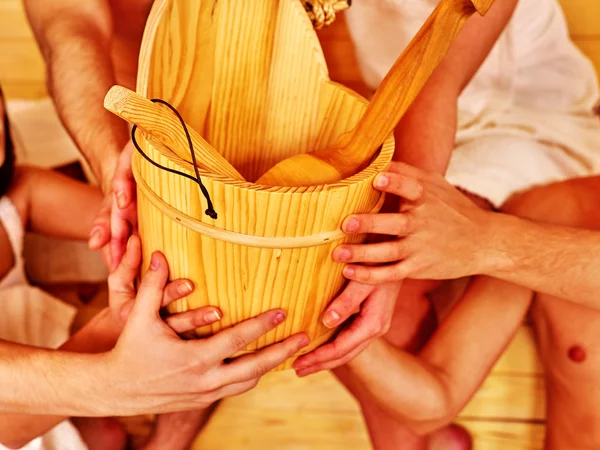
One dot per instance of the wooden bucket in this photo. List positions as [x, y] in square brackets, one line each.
[270, 246]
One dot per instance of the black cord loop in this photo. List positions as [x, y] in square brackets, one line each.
[210, 212]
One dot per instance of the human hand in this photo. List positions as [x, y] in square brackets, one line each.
[375, 305]
[152, 370]
[441, 233]
[117, 219]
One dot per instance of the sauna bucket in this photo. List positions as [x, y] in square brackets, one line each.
[270, 247]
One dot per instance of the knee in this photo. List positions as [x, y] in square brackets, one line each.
[114, 433]
[555, 203]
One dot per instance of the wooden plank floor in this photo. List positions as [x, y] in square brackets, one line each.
[288, 413]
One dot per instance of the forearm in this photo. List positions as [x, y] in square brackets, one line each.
[426, 134]
[39, 381]
[79, 73]
[560, 261]
[79, 76]
[58, 205]
[16, 430]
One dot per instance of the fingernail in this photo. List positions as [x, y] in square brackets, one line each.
[94, 236]
[343, 254]
[121, 199]
[302, 373]
[305, 341]
[279, 318]
[349, 271]
[381, 181]
[213, 316]
[298, 364]
[129, 242]
[331, 319]
[351, 225]
[94, 231]
[154, 262]
[185, 288]
[124, 313]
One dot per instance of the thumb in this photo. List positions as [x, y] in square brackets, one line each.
[123, 182]
[149, 298]
[121, 282]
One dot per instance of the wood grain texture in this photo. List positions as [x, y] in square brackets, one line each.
[21, 64]
[353, 151]
[162, 124]
[270, 97]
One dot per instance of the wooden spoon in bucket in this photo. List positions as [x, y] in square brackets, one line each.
[397, 91]
[165, 127]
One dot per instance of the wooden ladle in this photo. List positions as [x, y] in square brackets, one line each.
[166, 128]
[410, 72]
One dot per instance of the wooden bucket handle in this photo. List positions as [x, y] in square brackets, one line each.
[239, 238]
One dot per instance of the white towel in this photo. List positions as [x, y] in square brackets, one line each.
[30, 316]
[535, 88]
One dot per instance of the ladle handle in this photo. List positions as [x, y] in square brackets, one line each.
[166, 128]
[409, 74]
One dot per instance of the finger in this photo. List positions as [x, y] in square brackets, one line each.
[177, 290]
[346, 304]
[390, 224]
[257, 364]
[123, 181]
[370, 324]
[121, 282]
[407, 170]
[122, 225]
[123, 218]
[150, 294]
[334, 364]
[228, 342]
[403, 186]
[375, 275]
[232, 390]
[191, 320]
[383, 252]
[100, 232]
[350, 339]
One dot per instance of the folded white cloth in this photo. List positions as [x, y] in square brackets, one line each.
[30, 316]
[13, 226]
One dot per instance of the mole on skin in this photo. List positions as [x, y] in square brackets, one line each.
[577, 354]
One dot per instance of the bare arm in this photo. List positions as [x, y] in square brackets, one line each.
[100, 335]
[53, 204]
[75, 39]
[425, 136]
[560, 261]
[427, 391]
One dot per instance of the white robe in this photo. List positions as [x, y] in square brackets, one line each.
[525, 118]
